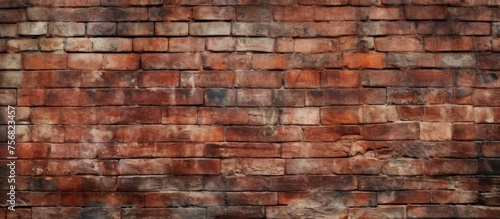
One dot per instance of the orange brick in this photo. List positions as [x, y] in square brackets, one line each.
[302, 78]
[364, 60]
[35, 61]
[150, 44]
[442, 43]
[85, 61]
[268, 61]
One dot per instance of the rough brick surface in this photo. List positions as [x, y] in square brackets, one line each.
[251, 108]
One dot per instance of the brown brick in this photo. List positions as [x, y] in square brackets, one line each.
[209, 29]
[451, 166]
[325, 97]
[377, 28]
[394, 131]
[196, 166]
[401, 197]
[179, 115]
[337, 13]
[340, 78]
[339, 115]
[429, 211]
[150, 44]
[302, 79]
[254, 13]
[101, 28]
[170, 13]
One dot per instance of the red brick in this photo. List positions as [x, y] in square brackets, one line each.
[451, 166]
[404, 197]
[315, 149]
[340, 78]
[196, 166]
[186, 45]
[170, 13]
[164, 97]
[221, 44]
[264, 134]
[268, 61]
[183, 199]
[326, 97]
[430, 211]
[87, 3]
[223, 116]
[209, 29]
[135, 29]
[426, 12]
[269, 79]
[12, 15]
[331, 133]
[85, 115]
[37, 61]
[129, 115]
[364, 60]
[223, 61]
[207, 79]
[30, 97]
[150, 44]
[305, 116]
[398, 44]
[302, 79]
[336, 13]
[316, 45]
[169, 133]
[170, 61]
[242, 150]
[85, 61]
[213, 13]
[179, 115]
[254, 97]
[339, 115]
[158, 79]
[131, 2]
[293, 13]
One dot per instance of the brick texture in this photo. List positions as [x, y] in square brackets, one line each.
[251, 108]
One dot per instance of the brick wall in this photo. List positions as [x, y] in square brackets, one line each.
[252, 108]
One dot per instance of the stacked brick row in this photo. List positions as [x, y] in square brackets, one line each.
[252, 108]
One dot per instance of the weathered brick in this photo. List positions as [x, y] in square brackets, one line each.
[36, 61]
[111, 44]
[364, 60]
[210, 29]
[254, 13]
[220, 97]
[66, 29]
[401, 197]
[85, 61]
[207, 79]
[250, 29]
[270, 79]
[17, 45]
[255, 44]
[213, 13]
[221, 44]
[179, 115]
[121, 61]
[455, 28]
[264, 134]
[10, 61]
[223, 61]
[78, 45]
[268, 61]
[135, 29]
[419, 211]
[394, 131]
[336, 13]
[8, 30]
[426, 12]
[331, 133]
[305, 116]
[51, 44]
[186, 45]
[332, 97]
[398, 44]
[32, 28]
[170, 61]
[158, 79]
[170, 13]
[150, 44]
[101, 28]
[377, 28]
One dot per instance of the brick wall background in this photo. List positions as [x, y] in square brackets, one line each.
[252, 108]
